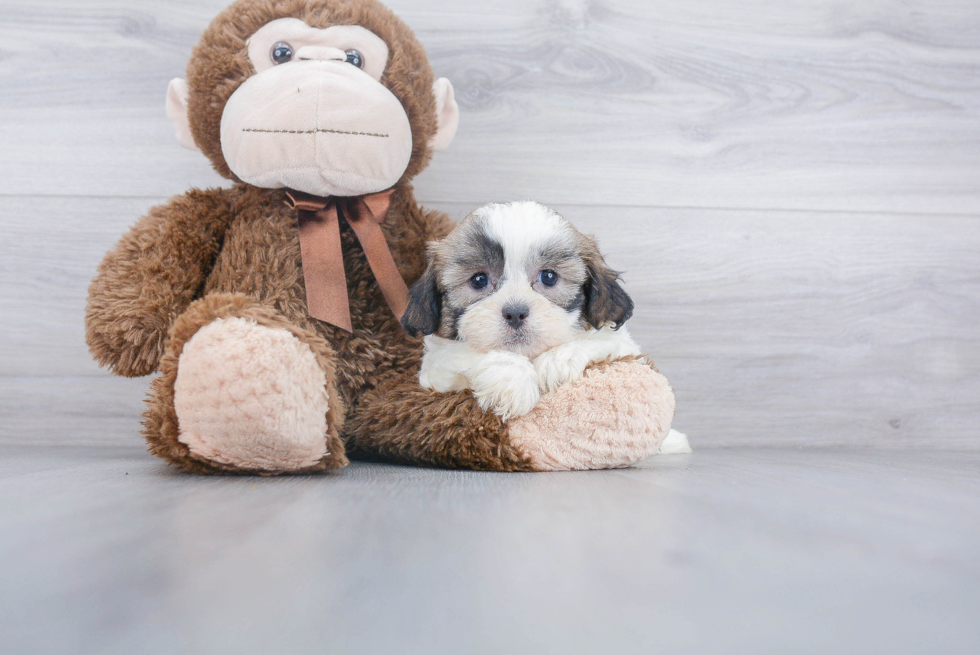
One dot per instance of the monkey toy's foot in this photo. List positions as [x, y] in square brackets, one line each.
[617, 414]
[252, 397]
[241, 390]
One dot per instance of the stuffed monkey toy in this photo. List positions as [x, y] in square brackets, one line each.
[271, 308]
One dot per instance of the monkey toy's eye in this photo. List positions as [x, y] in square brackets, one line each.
[354, 57]
[479, 281]
[281, 53]
[549, 278]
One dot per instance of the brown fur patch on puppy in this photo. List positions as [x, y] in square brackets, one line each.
[424, 305]
[605, 299]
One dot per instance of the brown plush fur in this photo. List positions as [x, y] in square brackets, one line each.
[235, 252]
[406, 423]
[150, 277]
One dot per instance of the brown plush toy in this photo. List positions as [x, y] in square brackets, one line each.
[271, 308]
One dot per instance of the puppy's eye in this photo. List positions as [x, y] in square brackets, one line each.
[479, 281]
[354, 57]
[548, 278]
[281, 53]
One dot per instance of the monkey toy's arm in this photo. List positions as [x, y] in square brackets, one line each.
[150, 277]
[615, 415]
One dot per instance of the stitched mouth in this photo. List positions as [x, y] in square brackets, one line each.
[316, 131]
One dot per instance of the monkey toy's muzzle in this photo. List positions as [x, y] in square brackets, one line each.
[324, 127]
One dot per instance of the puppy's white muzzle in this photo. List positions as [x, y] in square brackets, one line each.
[517, 319]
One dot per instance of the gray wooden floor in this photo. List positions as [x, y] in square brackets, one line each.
[793, 191]
[725, 551]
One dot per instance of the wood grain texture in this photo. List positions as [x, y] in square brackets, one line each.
[773, 327]
[831, 296]
[872, 106]
[50, 248]
[793, 191]
[94, 410]
[796, 328]
[741, 551]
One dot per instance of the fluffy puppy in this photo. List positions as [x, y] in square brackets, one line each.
[513, 303]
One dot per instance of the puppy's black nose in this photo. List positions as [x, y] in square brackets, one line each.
[515, 315]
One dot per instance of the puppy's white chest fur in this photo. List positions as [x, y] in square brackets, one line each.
[508, 383]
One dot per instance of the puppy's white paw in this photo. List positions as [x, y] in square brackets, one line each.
[559, 365]
[506, 384]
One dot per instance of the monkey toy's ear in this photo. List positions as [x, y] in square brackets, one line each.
[424, 305]
[177, 112]
[447, 114]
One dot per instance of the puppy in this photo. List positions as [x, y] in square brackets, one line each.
[513, 303]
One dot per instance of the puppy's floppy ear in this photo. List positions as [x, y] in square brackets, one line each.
[605, 299]
[424, 304]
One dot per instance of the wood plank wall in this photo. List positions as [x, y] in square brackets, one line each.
[791, 187]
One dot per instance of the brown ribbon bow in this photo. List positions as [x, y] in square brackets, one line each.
[323, 259]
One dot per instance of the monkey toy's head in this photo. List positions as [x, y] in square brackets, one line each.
[328, 97]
